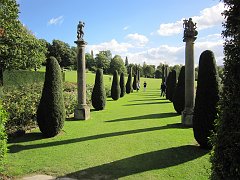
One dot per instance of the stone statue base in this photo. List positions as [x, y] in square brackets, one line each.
[82, 113]
[187, 117]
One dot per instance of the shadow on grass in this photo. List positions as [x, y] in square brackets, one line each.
[17, 148]
[147, 99]
[27, 137]
[141, 163]
[148, 116]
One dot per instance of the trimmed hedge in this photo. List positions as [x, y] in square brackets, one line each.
[51, 111]
[99, 93]
[179, 93]
[207, 97]
[115, 89]
[171, 85]
[129, 82]
[135, 82]
[122, 85]
[3, 138]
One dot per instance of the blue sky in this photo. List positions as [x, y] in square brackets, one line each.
[143, 30]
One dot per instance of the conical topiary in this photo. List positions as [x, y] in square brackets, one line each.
[171, 85]
[135, 82]
[122, 85]
[51, 109]
[179, 93]
[115, 89]
[207, 96]
[129, 82]
[99, 92]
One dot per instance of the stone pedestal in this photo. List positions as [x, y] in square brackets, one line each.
[187, 114]
[82, 111]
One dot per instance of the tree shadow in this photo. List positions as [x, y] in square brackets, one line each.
[148, 99]
[148, 116]
[17, 148]
[141, 163]
[33, 136]
[139, 104]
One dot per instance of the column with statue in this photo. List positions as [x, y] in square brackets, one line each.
[190, 35]
[82, 111]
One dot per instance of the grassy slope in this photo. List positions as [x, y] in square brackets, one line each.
[137, 137]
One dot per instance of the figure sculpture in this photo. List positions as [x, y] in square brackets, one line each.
[189, 28]
[80, 32]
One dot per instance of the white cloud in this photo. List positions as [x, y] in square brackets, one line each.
[126, 28]
[114, 46]
[208, 18]
[137, 39]
[55, 21]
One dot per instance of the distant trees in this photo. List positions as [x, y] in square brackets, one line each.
[99, 93]
[103, 62]
[207, 96]
[51, 110]
[117, 64]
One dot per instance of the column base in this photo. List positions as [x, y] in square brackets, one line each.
[82, 112]
[187, 118]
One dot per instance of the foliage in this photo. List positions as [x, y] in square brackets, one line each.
[90, 62]
[225, 158]
[115, 89]
[135, 82]
[51, 110]
[171, 85]
[99, 93]
[3, 138]
[129, 82]
[102, 62]
[122, 85]
[62, 52]
[207, 96]
[179, 93]
[21, 104]
[117, 64]
[148, 71]
[158, 74]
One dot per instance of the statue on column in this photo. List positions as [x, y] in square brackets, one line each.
[189, 28]
[80, 32]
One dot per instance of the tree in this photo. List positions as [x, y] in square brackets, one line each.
[129, 82]
[99, 93]
[122, 85]
[115, 89]
[179, 93]
[51, 109]
[135, 82]
[171, 85]
[225, 159]
[158, 74]
[62, 52]
[207, 96]
[126, 62]
[90, 62]
[148, 71]
[117, 64]
[102, 62]
[19, 48]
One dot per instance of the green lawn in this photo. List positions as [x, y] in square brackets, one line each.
[137, 137]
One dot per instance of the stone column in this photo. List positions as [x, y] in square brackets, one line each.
[82, 111]
[189, 37]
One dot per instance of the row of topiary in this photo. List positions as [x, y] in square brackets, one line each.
[206, 100]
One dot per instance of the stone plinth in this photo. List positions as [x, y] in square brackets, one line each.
[82, 111]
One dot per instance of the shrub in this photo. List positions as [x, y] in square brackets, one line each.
[122, 85]
[171, 85]
[225, 158]
[135, 82]
[179, 93]
[3, 138]
[207, 96]
[21, 105]
[129, 82]
[99, 93]
[115, 89]
[51, 110]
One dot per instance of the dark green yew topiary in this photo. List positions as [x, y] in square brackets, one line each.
[122, 85]
[179, 93]
[99, 93]
[171, 85]
[135, 82]
[51, 110]
[115, 89]
[207, 96]
[226, 152]
[129, 82]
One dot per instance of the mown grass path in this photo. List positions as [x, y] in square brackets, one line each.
[137, 137]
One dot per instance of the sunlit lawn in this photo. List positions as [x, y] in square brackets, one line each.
[137, 137]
